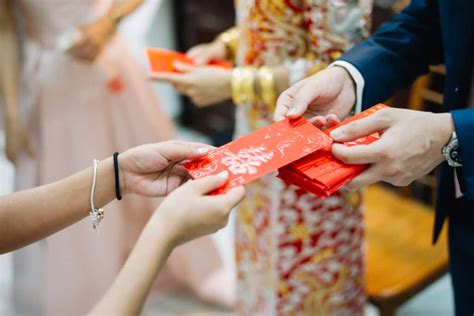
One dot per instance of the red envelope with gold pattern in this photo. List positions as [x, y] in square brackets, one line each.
[162, 60]
[321, 173]
[261, 152]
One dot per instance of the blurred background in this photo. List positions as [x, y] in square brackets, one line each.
[405, 275]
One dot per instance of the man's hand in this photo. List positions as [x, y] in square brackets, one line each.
[328, 91]
[409, 148]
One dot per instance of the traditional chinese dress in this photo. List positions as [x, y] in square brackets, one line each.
[297, 254]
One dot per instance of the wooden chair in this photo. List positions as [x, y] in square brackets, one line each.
[400, 259]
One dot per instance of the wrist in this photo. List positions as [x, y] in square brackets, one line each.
[445, 127]
[160, 229]
[227, 84]
[122, 173]
[105, 190]
[220, 49]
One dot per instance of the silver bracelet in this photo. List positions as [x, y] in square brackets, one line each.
[96, 214]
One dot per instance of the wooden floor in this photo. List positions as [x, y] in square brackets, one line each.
[400, 259]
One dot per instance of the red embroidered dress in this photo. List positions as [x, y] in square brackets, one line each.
[297, 254]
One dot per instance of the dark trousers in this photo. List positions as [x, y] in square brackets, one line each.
[461, 251]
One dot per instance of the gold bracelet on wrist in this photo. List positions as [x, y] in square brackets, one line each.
[243, 85]
[266, 79]
[230, 39]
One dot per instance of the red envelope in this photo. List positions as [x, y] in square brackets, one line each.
[260, 152]
[162, 60]
[321, 173]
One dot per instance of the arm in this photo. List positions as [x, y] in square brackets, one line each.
[15, 131]
[31, 215]
[148, 170]
[186, 214]
[9, 59]
[95, 35]
[400, 51]
[121, 9]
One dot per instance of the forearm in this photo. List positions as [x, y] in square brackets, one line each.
[123, 8]
[31, 215]
[9, 60]
[130, 289]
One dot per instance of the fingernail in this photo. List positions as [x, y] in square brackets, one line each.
[223, 174]
[337, 133]
[292, 111]
[202, 150]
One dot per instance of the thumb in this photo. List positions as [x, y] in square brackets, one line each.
[309, 93]
[183, 67]
[208, 184]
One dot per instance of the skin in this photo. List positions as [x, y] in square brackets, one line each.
[186, 213]
[411, 141]
[96, 35]
[15, 130]
[207, 85]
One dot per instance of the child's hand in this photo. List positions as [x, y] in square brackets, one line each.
[189, 213]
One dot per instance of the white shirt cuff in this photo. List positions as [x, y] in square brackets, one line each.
[358, 80]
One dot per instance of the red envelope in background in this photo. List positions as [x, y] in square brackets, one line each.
[260, 152]
[321, 173]
[162, 60]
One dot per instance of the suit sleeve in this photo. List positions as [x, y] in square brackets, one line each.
[464, 125]
[400, 51]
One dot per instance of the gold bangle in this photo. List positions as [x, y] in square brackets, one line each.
[230, 38]
[266, 79]
[243, 85]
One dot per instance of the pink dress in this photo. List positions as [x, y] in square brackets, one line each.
[76, 112]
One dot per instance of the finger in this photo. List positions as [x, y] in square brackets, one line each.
[167, 77]
[208, 184]
[356, 155]
[308, 93]
[332, 120]
[231, 198]
[376, 122]
[369, 176]
[318, 121]
[179, 151]
[182, 67]
[285, 100]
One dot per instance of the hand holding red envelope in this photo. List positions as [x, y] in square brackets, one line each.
[300, 151]
[162, 60]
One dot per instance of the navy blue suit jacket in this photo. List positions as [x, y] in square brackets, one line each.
[427, 32]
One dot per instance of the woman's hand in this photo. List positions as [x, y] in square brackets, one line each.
[94, 37]
[17, 141]
[205, 85]
[189, 213]
[155, 169]
[202, 54]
